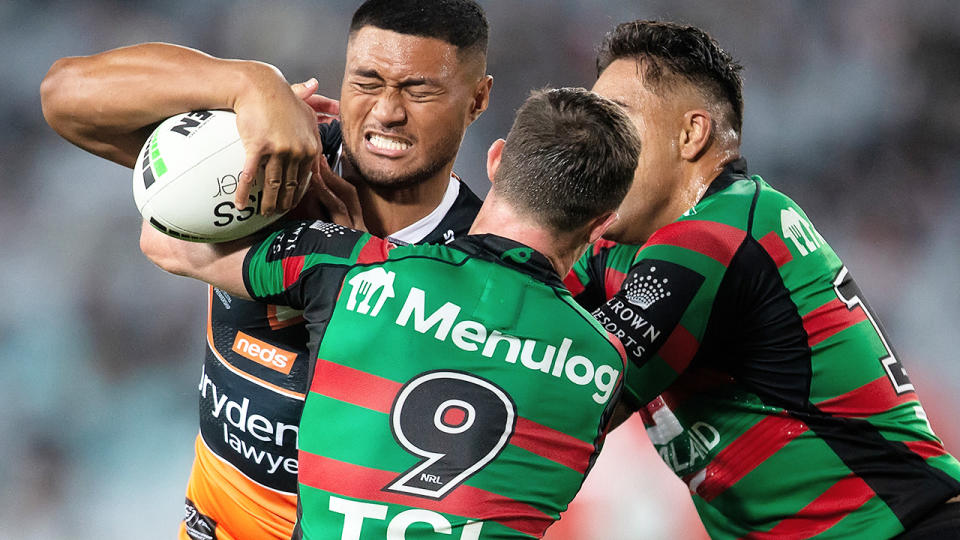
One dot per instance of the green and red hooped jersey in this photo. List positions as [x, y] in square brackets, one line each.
[766, 382]
[457, 390]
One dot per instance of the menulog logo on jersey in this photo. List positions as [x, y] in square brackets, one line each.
[264, 353]
[376, 286]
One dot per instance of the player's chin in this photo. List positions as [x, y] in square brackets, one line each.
[396, 174]
[391, 178]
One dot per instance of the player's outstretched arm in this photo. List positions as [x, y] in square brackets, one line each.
[107, 104]
[220, 265]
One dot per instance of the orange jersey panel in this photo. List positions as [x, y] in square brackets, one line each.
[227, 505]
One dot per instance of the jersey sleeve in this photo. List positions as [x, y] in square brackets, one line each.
[661, 311]
[598, 274]
[288, 264]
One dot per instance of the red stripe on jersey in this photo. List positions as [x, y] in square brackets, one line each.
[374, 251]
[573, 284]
[823, 512]
[679, 349]
[367, 484]
[619, 347]
[778, 251]
[829, 319]
[292, 266]
[872, 398]
[376, 393]
[746, 452]
[552, 444]
[715, 240]
[354, 386]
[926, 449]
[602, 244]
[612, 281]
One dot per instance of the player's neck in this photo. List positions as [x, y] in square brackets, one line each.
[696, 179]
[386, 211]
[499, 219]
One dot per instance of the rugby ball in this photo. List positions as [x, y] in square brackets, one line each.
[186, 177]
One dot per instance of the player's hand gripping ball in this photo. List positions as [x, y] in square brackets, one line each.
[187, 174]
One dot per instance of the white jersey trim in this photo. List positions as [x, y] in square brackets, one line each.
[417, 231]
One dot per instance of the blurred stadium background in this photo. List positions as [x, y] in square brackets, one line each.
[851, 107]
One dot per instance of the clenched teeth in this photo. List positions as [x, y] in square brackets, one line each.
[387, 143]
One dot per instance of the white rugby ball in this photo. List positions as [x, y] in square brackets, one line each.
[187, 174]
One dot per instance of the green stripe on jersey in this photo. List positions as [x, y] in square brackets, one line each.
[847, 348]
[771, 497]
[945, 463]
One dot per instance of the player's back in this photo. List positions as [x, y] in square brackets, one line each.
[782, 404]
[457, 389]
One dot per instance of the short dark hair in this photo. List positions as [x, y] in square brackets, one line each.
[460, 23]
[674, 49]
[569, 157]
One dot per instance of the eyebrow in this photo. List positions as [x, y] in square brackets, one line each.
[412, 81]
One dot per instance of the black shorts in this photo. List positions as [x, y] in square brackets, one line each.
[942, 523]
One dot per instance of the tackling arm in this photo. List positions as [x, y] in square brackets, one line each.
[220, 265]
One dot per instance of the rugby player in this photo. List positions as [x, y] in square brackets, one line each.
[765, 381]
[457, 389]
[415, 78]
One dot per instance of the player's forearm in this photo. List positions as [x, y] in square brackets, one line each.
[107, 102]
[220, 265]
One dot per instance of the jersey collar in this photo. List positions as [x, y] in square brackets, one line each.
[735, 170]
[512, 254]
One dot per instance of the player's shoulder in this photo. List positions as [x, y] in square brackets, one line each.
[772, 202]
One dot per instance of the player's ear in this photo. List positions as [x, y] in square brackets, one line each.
[493, 158]
[600, 225]
[481, 97]
[695, 134]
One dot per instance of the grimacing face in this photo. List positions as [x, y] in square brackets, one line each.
[643, 209]
[405, 104]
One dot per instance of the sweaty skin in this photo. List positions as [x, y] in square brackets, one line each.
[679, 155]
